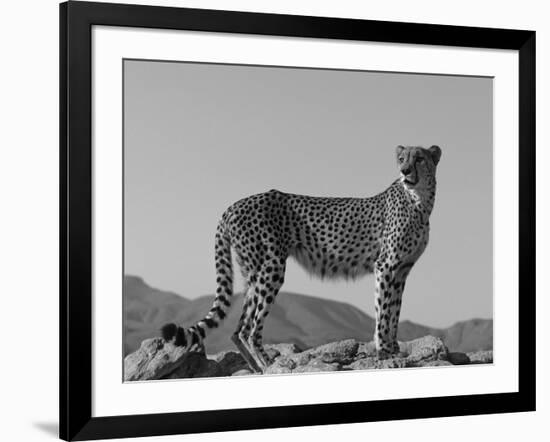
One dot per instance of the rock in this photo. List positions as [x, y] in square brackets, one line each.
[316, 366]
[272, 353]
[300, 358]
[335, 351]
[157, 359]
[481, 357]
[278, 368]
[367, 363]
[393, 363]
[231, 362]
[286, 361]
[197, 366]
[403, 348]
[428, 348]
[242, 373]
[458, 358]
[282, 349]
[154, 359]
[366, 349]
[371, 362]
[219, 356]
[436, 363]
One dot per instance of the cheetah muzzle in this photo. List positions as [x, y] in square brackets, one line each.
[331, 238]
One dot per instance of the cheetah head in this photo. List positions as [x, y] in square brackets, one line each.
[417, 165]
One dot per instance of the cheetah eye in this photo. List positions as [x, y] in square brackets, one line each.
[421, 160]
[401, 159]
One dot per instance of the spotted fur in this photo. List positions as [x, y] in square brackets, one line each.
[331, 238]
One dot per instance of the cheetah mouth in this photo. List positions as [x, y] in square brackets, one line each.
[410, 182]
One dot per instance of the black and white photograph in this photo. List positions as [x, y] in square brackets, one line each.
[285, 221]
[244, 221]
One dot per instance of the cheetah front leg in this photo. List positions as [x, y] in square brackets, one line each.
[400, 276]
[387, 305]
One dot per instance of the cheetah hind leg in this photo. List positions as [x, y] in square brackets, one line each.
[240, 337]
[255, 339]
[260, 355]
[245, 353]
[262, 308]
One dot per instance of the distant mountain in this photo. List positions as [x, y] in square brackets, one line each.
[146, 309]
[304, 320]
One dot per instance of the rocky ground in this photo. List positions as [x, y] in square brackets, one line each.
[157, 359]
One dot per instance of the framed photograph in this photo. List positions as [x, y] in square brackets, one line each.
[272, 220]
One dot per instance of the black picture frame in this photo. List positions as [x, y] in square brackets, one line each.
[76, 21]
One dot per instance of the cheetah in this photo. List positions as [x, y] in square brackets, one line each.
[331, 238]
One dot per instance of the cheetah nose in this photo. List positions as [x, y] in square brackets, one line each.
[406, 171]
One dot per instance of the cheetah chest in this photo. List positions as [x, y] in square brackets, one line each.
[410, 246]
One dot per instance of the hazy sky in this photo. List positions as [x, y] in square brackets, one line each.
[198, 137]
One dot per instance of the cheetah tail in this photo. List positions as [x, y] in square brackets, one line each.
[193, 337]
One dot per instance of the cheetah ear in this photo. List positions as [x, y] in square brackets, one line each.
[399, 149]
[435, 152]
